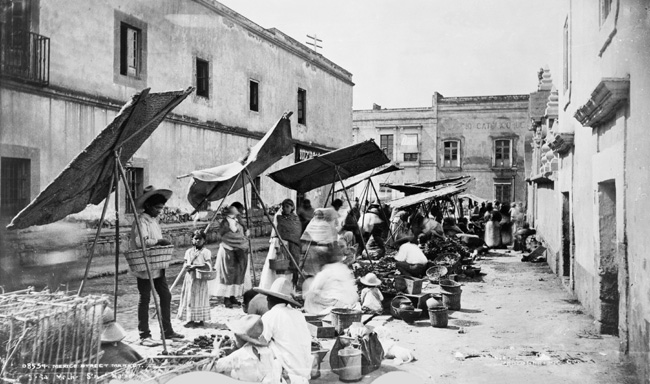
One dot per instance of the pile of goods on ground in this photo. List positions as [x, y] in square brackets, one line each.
[203, 344]
[383, 268]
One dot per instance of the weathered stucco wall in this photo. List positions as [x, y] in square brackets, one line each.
[370, 124]
[612, 155]
[476, 122]
[83, 51]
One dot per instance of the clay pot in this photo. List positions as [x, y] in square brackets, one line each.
[435, 301]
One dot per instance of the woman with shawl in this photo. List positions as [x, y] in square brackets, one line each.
[321, 237]
[232, 261]
[289, 228]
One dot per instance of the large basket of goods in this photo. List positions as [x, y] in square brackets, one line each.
[202, 274]
[159, 258]
[436, 272]
[449, 260]
[44, 336]
[398, 303]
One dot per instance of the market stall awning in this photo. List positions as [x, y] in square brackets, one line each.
[406, 189]
[87, 177]
[436, 183]
[322, 170]
[213, 184]
[353, 181]
[413, 188]
[425, 196]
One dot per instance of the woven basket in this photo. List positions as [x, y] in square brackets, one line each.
[202, 274]
[159, 258]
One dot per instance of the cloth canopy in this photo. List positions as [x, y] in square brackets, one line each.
[321, 170]
[86, 178]
[408, 190]
[353, 181]
[214, 183]
[414, 188]
[425, 196]
[448, 180]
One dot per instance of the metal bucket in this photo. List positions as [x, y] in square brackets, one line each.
[451, 300]
[351, 369]
[438, 317]
[342, 318]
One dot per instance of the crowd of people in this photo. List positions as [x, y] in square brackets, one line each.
[320, 246]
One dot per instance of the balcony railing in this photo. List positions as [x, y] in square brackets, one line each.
[25, 56]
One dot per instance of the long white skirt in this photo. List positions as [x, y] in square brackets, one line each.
[226, 290]
[268, 275]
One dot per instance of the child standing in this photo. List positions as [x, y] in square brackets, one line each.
[371, 296]
[195, 299]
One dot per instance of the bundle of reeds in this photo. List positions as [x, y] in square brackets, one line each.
[45, 334]
[158, 370]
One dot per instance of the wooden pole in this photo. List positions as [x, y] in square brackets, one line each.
[257, 193]
[350, 204]
[250, 244]
[381, 209]
[221, 203]
[117, 236]
[143, 248]
[99, 230]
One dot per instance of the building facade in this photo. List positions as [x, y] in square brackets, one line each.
[481, 136]
[591, 177]
[68, 69]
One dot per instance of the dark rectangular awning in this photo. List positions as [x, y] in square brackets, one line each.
[86, 179]
[322, 170]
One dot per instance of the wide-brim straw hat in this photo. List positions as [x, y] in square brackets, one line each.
[112, 333]
[150, 191]
[249, 328]
[370, 279]
[281, 289]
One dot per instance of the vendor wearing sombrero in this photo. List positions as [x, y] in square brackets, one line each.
[285, 328]
[253, 360]
[371, 296]
[114, 351]
[152, 201]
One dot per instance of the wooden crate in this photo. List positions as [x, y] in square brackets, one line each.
[321, 330]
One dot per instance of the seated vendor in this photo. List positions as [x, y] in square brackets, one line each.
[254, 303]
[286, 330]
[115, 352]
[449, 227]
[411, 261]
[253, 360]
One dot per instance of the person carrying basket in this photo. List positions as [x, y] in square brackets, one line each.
[152, 201]
[195, 298]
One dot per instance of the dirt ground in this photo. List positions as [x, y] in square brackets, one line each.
[517, 325]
